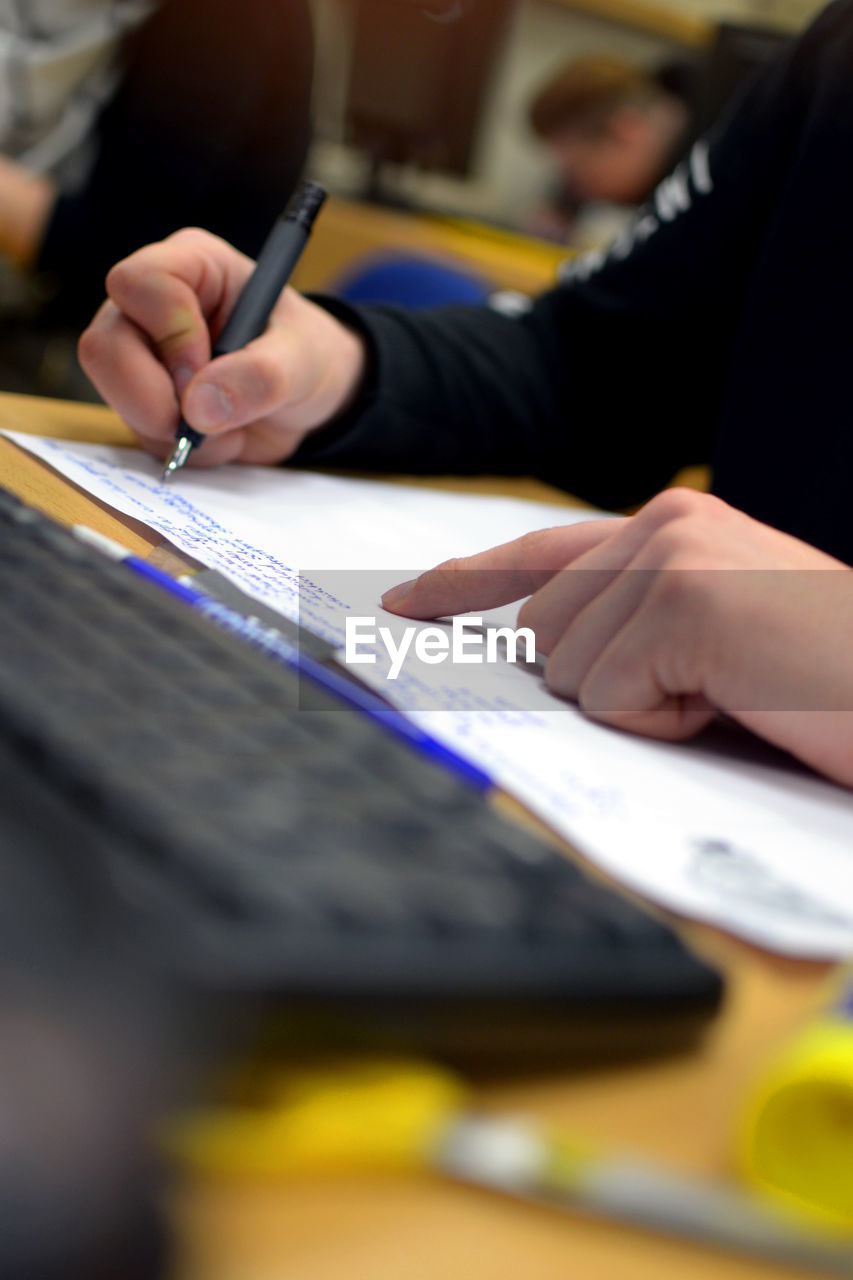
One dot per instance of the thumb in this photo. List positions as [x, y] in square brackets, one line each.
[244, 387]
[499, 576]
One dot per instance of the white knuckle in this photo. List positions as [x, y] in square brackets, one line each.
[680, 545]
[678, 588]
[196, 237]
[675, 504]
[92, 347]
[120, 278]
[558, 677]
[528, 614]
[448, 568]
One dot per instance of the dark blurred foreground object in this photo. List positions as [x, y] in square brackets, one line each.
[87, 1053]
[77, 1176]
[418, 84]
[209, 126]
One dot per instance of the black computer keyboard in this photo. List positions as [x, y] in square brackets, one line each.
[254, 836]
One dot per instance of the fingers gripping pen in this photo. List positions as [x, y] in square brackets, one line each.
[253, 309]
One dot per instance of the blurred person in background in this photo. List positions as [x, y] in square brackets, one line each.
[122, 120]
[613, 131]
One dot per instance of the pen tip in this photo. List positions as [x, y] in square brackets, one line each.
[179, 455]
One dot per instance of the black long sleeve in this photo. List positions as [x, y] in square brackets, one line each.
[621, 375]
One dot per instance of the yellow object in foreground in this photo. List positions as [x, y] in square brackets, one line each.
[797, 1140]
[357, 1116]
[405, 1117]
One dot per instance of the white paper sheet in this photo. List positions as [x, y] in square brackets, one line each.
[722, 829]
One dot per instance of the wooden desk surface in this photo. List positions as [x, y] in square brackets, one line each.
[680, 1110]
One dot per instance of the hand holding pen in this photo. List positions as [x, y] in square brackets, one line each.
[161, 332]
[254, 307]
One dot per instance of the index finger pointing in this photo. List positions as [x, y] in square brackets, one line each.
[498, 576]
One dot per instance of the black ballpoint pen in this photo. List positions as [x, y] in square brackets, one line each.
[253, 308]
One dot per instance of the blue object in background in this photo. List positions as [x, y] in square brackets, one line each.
[412, 282]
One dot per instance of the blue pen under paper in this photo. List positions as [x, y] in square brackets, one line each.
[278, 647]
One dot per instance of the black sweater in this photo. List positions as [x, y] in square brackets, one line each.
[722, 333]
